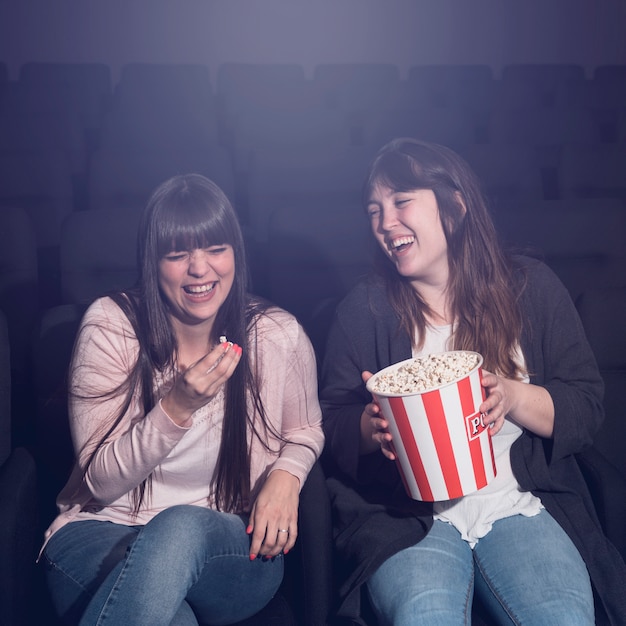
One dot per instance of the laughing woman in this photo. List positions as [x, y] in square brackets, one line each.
[528, 544]
[195, 420]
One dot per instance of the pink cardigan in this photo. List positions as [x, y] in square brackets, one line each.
[180, 459]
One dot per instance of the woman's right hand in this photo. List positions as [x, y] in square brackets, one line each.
[375, 428]
[200, 382]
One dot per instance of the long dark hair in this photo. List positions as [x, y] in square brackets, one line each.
[188, 212]
[483, 299]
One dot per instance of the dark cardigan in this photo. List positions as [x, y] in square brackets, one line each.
[373, 517]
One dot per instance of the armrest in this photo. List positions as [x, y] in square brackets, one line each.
[316, 550]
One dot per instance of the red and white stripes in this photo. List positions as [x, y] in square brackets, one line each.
[443, 448]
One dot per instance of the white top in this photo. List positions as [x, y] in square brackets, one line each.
[474, 514]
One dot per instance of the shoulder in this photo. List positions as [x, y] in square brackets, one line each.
[104, 311]
[368, 294]
[277, 327]
[104, 317]
[280, 343]
[537, 281]
[366, 306]
[534, 268]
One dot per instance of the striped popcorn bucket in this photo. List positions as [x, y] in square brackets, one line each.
[442, 446]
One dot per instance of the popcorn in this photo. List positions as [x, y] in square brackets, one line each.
[424, 373]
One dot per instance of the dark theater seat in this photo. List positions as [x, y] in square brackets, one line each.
[18, 506]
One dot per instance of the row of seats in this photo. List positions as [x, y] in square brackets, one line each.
[71, 140]
[86, 92]
[43, 184]
[71, 120]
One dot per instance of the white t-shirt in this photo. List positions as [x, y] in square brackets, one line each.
[474, 514]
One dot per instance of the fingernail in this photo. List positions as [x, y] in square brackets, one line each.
[252, 557]
[249, 529]
[285, 551]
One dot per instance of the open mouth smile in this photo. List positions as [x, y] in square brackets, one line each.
[199, 290]
[401, 243]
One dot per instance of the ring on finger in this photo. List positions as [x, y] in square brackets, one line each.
[283, 530]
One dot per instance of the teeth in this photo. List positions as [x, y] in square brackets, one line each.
[396, 243]
[199, 288]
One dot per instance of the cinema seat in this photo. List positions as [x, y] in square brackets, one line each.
[606, 98]
[508, 172]
[247, 87]
[593, 171]
[581, 239]
[41, 183]
[97, 254]
[18, 506]
[124, 178]
[353, 87]
[452, 126]
[313, 177]
[20, 295]
[547, 85]
[162, 106]
[316, 253]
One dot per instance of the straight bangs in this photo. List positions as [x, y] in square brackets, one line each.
[188, 225]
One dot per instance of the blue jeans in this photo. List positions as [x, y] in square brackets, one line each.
[188, 565]
[525, 570]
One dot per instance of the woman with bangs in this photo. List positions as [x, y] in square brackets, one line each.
[195, 420]
[528, 545]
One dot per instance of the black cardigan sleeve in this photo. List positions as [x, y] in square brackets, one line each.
[560, 359]
[365, 336]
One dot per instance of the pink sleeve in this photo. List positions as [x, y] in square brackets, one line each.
[104, 355]
[294, 368]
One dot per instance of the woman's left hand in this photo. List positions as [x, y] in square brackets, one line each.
[495, 408]
[274, 517]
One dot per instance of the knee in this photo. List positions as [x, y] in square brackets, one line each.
[183, 528]
[182, 516]
[185, 519]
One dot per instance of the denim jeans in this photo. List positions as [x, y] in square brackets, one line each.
[525, 570]
[187, 566]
